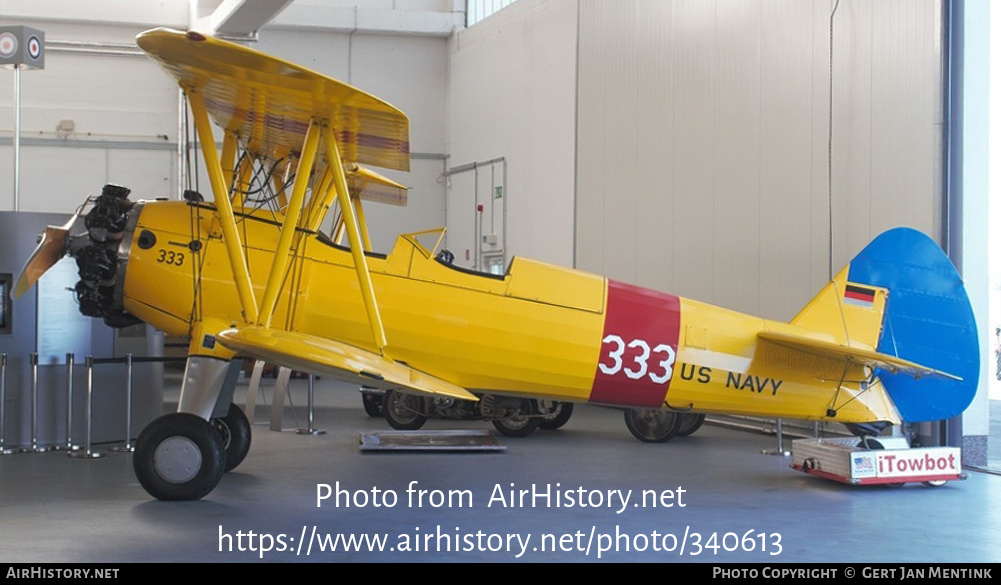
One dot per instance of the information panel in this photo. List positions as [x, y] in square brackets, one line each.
[62, 328]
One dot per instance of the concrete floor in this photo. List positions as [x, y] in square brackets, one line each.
[57, 509]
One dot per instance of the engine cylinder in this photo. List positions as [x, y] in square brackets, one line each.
[96, 254]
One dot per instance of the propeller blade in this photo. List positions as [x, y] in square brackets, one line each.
[50, 250]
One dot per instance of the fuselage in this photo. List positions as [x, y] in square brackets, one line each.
[539, 330]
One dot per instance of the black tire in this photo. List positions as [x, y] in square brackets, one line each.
[403, 412]
[179, 457]
[653, 425]
[372, 403]
[559, 416]
[522, 424]
[234, 431]
[690, 422]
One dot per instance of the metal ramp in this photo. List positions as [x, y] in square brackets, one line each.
[451, 440]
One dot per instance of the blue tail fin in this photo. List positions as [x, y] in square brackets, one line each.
[928, 320]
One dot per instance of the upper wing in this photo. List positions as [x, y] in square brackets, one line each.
[310, 353]
[858, 355]
[269, 102]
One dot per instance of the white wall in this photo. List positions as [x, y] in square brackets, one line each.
[119, 100]
[696, 160]
[512, 94]
[703, 130]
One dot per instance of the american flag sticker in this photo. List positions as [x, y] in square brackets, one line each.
[860, 296]
[863, 465]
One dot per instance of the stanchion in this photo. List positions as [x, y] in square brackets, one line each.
[34, 406]
[87, 453]
[311, 430]
[69, 446]
[128, 408]
[3, 400]
[778, 433]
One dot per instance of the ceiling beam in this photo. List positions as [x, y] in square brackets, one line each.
[235, 18]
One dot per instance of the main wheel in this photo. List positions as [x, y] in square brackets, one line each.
[522, 424]
[690, 422]
[234, 430]
[556, 417]
[403, 412]
[179, 457]
[653, 425]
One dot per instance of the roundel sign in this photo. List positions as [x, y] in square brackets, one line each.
[34, 47]
[8, 44]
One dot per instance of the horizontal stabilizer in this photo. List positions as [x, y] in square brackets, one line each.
[320, 355]
[858, 355]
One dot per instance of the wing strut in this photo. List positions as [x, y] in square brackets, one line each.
[292, 212]
[354, 238]
[323, 195]
[224, 210]
[229, 144]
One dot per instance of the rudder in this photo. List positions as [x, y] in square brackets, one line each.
[928, 319]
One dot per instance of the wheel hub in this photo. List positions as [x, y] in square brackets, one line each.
[177, 459]
[223, 430]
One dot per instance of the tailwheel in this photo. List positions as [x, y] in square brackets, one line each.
[234, 431]
[179, 457]
[653, 425]
[521, 424]
[404, 412]
[555, 414]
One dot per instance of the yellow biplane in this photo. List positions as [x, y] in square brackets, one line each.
[250, 274]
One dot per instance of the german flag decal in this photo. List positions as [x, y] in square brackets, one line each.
[860, 296]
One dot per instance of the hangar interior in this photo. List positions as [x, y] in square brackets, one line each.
[738, 153]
